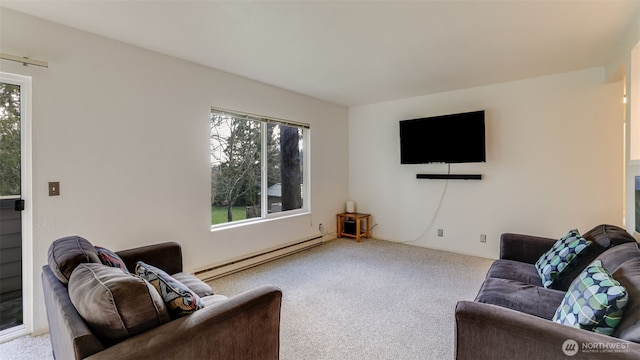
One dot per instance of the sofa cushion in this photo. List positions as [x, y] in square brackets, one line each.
[196, 285]
[212, 300]
[595, 301]
[606, 235]
[602, 237]
[616, 256]
[514, 270]
[109, 258]
[115, 305]
[526, 298]
[628, 274]
[67, 252]
[180, 300]
[560, 256]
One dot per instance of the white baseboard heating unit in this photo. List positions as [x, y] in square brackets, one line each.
[229, 267]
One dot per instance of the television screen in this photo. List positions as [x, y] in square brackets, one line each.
[455, 138]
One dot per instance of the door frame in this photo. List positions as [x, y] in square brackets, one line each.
[26, 190]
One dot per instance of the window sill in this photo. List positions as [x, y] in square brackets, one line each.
[243, 223]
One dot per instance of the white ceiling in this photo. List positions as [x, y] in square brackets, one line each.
[359, 52]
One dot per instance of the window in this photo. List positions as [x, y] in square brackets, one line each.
[258, 167]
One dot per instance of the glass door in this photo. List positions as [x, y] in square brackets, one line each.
[12, 170]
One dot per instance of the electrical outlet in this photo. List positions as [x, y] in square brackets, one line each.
[483, 238]
[440, 232]
[321, 228]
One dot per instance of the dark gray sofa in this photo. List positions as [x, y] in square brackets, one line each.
[511, 315]
[246, 326]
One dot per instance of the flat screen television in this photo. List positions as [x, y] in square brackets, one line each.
[454, 138]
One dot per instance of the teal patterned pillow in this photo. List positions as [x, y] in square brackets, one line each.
[595, 301]
[560, 256]
[180, 300]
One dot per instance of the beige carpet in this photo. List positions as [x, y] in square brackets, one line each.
[347, 300]
[368, 300]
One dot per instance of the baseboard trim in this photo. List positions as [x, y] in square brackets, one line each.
[229, 267]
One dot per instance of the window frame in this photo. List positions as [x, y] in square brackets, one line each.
[632, 96]
[265, 215]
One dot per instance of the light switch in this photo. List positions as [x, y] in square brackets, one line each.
[54, 188]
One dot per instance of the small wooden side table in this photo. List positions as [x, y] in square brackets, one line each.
[361, 230]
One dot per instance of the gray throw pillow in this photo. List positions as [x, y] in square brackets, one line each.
[67, 252]
[114, 304]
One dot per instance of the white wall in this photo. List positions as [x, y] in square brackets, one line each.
[126, 131]
[626, 62]
[554, 162]
[633, 136]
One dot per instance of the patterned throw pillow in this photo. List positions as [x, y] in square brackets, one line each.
[595, 301]
[180, 300]
[560, 256]
[109, 258]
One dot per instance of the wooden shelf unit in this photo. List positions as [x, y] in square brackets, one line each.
[362, 225]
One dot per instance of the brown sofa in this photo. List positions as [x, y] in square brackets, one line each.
[511, 315]
[245, 326]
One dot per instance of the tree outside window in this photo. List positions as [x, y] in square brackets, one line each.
[9, 139]
[257, 167]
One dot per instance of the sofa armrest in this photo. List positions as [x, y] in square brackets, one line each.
[71, 338]
[523, 248]
[166, 256]
[484, 331]
[245, 326]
